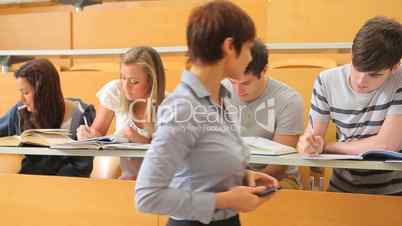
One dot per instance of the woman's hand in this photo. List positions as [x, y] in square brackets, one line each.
[84, 132]
[134, 136]
[240, 198]
[254, 178]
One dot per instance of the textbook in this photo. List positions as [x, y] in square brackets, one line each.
[263, 146]
[37, 137]
[374, 155]
[102, 143]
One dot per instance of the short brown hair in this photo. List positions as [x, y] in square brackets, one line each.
[377, 45]
[259, 62]
[210, 24]
[49, 105]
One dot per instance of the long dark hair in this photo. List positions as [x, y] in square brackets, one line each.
[49, 106]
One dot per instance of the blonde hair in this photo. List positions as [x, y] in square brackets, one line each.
[150, 61]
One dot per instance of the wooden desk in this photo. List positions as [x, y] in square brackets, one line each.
[297, 160]
[48, 151]
[27, 200]
[66, 201]
[306, 208]
[292, 159]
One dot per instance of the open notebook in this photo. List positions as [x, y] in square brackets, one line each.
[263, 146]
[374, 155]
[102, 143]
[37, 137]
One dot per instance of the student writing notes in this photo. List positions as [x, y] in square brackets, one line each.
[132, 101]
[364, 100]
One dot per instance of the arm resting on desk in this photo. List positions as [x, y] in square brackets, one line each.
[388, 138]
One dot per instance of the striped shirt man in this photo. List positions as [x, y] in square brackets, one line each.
[357, 116]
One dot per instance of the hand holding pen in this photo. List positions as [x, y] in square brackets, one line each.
[309, 143]
[84, 131]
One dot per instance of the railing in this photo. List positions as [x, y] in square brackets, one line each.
[78, 4]
[9, 57]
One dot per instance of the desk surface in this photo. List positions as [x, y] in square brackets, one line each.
[87, 152]
[27, 200]
[292, 159]
[297, 160]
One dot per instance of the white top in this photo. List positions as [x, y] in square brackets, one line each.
[110, 97]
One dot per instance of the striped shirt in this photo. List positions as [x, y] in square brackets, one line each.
[357, 116]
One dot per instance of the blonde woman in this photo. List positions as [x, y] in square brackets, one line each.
[132, 100]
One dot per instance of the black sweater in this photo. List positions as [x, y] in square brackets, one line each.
[79, 166]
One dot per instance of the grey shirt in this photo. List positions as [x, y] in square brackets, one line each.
[278, 110]
[196, 152]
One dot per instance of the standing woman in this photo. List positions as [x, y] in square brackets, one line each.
[132, 99]
[195, 170]
[43, 106]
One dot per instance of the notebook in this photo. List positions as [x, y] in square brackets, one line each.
[102, 143]
[263, 146]
[37, 137]
[374, 155]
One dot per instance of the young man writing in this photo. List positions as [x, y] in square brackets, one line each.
[364, 100]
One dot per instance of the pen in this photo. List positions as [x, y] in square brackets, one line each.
[85, 121]
[311, 123]
[83, 115]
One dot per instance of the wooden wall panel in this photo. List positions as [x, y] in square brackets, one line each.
[36, 31]
[156, 24]
[323, 21]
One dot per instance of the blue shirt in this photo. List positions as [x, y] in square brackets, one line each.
[196, 152]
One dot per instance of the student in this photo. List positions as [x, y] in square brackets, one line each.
[364, 100]
[268, 108]
[43, 106]
[132, 99]
[196, 166]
